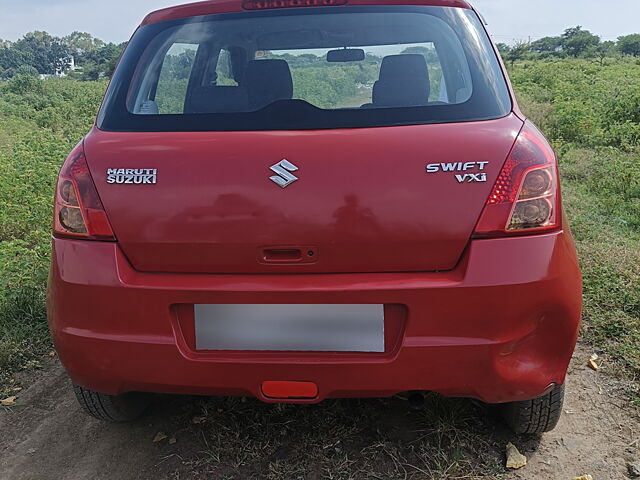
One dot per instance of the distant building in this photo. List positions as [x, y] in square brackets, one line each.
[66, 65]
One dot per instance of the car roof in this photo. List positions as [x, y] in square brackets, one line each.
[227, 6]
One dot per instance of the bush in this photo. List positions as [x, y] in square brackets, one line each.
[582, 102]
[41, 121]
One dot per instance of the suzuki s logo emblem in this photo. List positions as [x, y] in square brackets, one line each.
[284, 177]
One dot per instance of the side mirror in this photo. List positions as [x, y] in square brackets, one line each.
[345, 55]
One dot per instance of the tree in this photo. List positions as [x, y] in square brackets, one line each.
[81, 44]
[602, 51]
[105, 58]
[504, 49]
[430, 54]
[630, 44]
[577, 41]
[50, 55]
[111, 55]
[547, 45]
[178, 67]
[90, 72]
[12, 59]
[518, 51]
[27, 70]
[45, 53]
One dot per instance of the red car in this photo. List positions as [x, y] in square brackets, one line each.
[307, 199]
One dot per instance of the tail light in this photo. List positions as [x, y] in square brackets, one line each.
[525, 197]
[78, 210]
[267, 4]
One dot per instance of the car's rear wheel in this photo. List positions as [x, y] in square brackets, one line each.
[535, 416]
[112, 408]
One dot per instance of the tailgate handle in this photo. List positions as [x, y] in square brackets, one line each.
[289, 255]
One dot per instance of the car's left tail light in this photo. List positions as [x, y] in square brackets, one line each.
[78, 210]
[526, 196]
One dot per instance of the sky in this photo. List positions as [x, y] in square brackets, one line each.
[509, 20]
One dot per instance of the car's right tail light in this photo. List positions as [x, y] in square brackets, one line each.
[78, 210]
[526, 195]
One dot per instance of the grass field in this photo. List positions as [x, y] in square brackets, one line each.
[591, 113]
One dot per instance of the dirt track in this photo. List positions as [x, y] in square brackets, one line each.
[47, 437]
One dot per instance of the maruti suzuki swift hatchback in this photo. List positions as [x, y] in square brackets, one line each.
[307, 199]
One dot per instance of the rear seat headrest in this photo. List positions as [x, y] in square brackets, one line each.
[403, 81]
[267, 81]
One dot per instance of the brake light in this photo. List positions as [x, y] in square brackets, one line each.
[267, 4]
[525, 197]
[78, 211]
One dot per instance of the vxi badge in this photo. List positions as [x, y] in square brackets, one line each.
[138, 176]
[473, 171]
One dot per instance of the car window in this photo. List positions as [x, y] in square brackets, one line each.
[224, 69]
[325, 67]
[173, 81]
[351, 84]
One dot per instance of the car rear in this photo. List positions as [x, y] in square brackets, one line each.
[303, 200]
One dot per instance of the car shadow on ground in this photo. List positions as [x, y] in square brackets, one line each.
[245, 438]
[46, 435]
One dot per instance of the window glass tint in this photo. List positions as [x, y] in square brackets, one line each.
[224, 70]
[173, 81]
[307, 68]
[332, 85]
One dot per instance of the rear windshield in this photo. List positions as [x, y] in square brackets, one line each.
[307, 68]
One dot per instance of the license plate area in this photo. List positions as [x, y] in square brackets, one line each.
[290, 327]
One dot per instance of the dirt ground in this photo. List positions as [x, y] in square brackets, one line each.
[46, 436]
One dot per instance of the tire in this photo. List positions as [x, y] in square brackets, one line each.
[112, 408]
[535, 416]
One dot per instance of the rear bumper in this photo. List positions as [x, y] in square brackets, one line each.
[500, 327]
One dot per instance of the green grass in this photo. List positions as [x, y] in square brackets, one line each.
[590, 112]
[39, 123]
[602, 200]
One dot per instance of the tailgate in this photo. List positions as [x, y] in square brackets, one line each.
[363, 200]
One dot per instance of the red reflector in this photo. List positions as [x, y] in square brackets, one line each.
[283, 389]
[266, 4]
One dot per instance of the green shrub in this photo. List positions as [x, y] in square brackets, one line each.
[40, 121]
[585, 103]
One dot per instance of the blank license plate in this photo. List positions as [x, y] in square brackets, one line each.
[313, 328]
